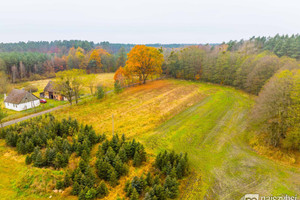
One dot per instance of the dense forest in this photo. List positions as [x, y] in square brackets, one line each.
[22, 66]
[247, 71]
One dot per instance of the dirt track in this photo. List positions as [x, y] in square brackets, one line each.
[32, 115]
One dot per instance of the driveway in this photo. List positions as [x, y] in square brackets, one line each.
[32, 115]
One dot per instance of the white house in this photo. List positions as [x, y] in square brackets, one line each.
[19, 100]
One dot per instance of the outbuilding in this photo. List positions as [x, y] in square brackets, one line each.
[51, 93]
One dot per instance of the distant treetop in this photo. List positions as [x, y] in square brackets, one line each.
[281, 45]
[63, 46]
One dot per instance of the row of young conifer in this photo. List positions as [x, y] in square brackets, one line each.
[49, 142]
[162, 183]
[113, 159]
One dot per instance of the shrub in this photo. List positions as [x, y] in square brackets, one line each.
[118, 88]
[100, 92]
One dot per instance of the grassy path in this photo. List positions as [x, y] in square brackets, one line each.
[213, 133]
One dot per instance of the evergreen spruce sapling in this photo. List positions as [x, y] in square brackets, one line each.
[39, 162]
[113, 180]
[102, 190]
[137, 159]
[134, 195]
[76, 189]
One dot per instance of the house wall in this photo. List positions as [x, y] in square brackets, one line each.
[23, 106]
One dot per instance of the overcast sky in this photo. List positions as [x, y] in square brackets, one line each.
[146, 21]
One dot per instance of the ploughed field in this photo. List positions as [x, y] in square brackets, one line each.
[207, 121]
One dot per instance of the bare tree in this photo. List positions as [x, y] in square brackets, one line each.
[14, 71]
[22, 70]
[4, 83]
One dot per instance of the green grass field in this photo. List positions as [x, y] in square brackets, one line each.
[208, 122]
[213, 133]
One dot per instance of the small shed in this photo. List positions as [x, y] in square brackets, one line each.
[50, 93]
[19, 100]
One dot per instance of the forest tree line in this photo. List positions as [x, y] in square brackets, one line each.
[62, 47]
[246, 71]
[280, 45]
[30, 60]
[24, 66]
[37, 60]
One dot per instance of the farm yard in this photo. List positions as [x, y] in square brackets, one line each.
[105, 79]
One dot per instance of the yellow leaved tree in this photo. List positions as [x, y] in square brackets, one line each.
[94, 61]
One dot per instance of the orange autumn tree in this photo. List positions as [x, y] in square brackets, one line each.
[144, 61]
[120, 76]
[102, 52]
